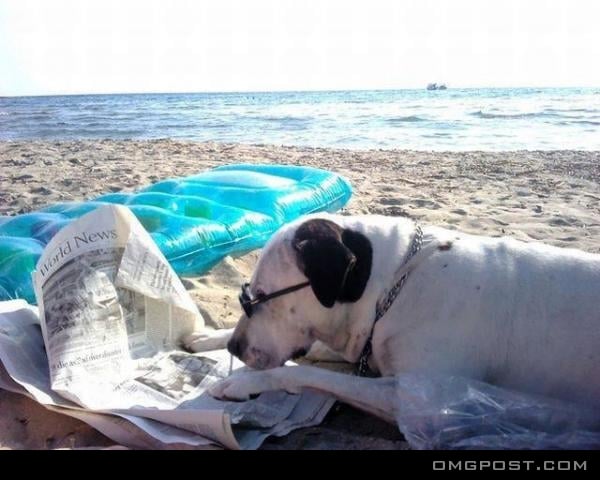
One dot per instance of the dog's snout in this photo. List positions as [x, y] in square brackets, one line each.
[236, 346]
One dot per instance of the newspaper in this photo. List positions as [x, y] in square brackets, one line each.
[107, 347]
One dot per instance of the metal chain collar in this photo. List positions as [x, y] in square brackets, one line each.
[383, 305]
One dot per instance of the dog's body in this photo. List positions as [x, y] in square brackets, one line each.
[518, 315]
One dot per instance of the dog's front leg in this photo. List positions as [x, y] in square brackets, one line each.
[322, 353]
[372, 395]
[207, 340]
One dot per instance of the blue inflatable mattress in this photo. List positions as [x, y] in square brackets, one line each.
[195, 221]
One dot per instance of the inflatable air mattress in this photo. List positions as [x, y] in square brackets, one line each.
[195, 221]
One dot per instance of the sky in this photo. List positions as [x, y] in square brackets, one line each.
[124, 46]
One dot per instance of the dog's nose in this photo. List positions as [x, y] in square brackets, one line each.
[236, 347]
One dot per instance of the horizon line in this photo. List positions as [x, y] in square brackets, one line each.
[232, 92]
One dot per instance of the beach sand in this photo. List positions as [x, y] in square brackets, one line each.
[552, 197]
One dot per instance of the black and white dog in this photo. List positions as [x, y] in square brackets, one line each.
[519, 315]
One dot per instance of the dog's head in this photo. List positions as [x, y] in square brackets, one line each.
[333, 261]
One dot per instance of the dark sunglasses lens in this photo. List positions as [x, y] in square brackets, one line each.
[247, 308]
[245, 300]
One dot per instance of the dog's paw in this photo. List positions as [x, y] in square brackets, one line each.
[241, 386]
[197, 342]
[206, 340]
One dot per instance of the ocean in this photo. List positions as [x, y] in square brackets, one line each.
[455, 119]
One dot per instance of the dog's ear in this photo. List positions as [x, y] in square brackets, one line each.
[336, 261]
[326, 261]
[359, 275]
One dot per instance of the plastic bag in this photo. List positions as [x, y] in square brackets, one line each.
[437, 412]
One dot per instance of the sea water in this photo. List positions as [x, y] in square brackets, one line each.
[453, 119]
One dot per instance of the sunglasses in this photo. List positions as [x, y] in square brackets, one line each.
[248, 303]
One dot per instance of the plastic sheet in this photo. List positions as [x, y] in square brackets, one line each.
[437, 412]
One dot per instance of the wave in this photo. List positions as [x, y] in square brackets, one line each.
[490, 116]
[571, 110]
[547, 113]
[276, 118]
[275, 122]
[437, 135]
[585, 122]
[408, 118]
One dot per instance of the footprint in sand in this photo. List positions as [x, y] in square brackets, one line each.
[41, 190]
[393, 200]
[459, 211]
[562, 221]
[413, 202]
[390, 211]
[22, 178]
[386, 188]
[499, 222]
[424, 203]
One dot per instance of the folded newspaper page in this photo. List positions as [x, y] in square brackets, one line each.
[105, 346]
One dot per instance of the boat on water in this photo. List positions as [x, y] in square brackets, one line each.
[435, 86]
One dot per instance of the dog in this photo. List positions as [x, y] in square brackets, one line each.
[524, 316]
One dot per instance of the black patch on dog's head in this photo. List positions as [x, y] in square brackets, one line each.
[336, 261]
[359, 275]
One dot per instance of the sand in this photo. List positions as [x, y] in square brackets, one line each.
[553, 197]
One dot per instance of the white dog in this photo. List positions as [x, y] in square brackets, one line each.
[519, 315]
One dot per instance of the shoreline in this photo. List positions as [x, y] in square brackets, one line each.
[227, 145]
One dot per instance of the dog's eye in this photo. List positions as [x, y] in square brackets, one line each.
[260, 293]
